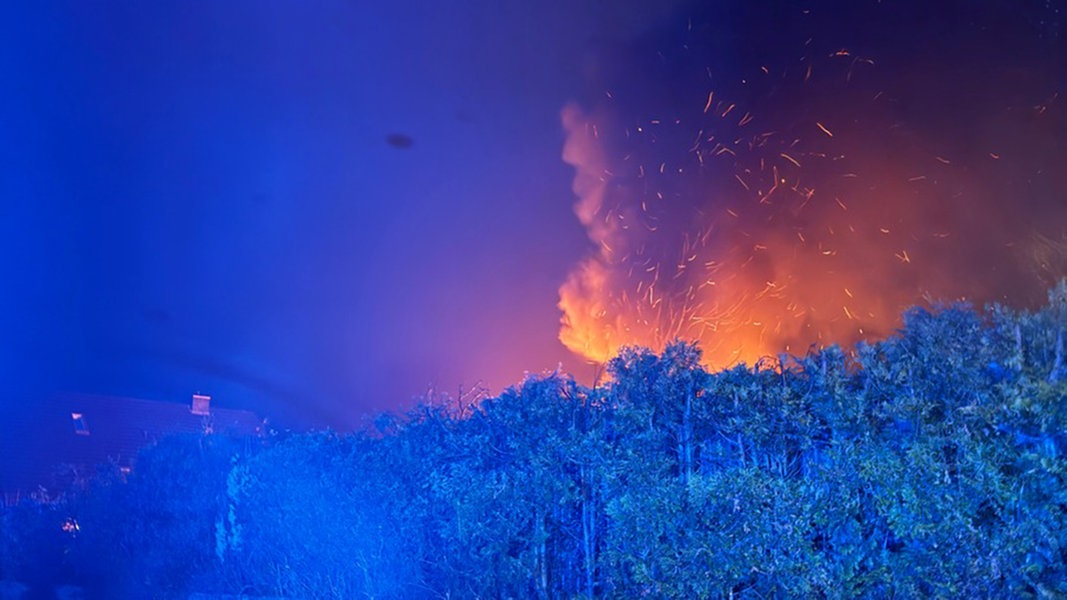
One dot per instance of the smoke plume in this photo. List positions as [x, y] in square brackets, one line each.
[763, 177]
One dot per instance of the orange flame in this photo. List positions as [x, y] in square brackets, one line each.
[788, 208]
[742, 298]
[767, 267]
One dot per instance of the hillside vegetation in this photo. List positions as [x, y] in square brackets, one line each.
[931, 464]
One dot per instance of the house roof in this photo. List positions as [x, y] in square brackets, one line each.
[82, 431]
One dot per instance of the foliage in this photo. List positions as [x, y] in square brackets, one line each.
[930, 464]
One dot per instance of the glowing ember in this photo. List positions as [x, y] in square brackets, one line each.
[759, 226]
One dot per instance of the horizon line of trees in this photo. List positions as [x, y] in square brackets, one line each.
[930, 464]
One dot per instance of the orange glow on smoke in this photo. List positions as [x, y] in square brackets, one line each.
[743, 294]
[748, 257]
[762, 209]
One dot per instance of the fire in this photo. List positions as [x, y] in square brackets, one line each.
[746, 279]
[628, 292]
[759, 229]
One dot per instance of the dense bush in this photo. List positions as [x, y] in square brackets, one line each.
[930, 464]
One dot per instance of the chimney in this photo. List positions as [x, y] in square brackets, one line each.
[201, 405]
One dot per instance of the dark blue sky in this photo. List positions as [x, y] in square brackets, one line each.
[206, 195]
[201, 196]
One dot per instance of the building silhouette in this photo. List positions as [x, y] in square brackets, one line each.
[70, 436]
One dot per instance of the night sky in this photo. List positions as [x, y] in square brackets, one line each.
[322, 210]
